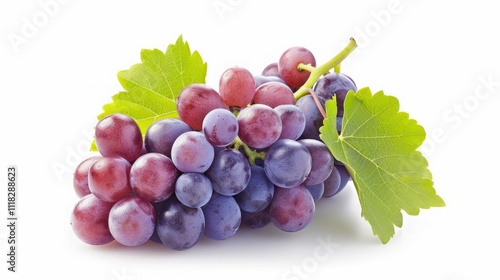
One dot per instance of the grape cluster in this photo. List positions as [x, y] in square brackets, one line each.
[248, 155]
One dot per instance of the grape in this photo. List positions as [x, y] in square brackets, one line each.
[157, 206]
[332, 183]
[161, 135]
[222, 217]
[152, 177]
[89, 220]
[289, 62]
[316, 191]
[195, 101]
[292, 209]
[287, 163]
[191, 152]
[81, 176]
[271, 70]
[259, 126]
[336, 84]
[344, 177]
[273, 94]
[258, 193]
[260, 80]
[119, 135]
[236, 87]
[230, 172]
[179, 227]
[109, 178]
[220, 127]
[339, 124]
[322, 161]
[132, 221]
[193, 189]
[314, 119]
[293, 121]
[256, 220]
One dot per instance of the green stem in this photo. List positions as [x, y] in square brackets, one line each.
[336, 69]
[307, 67]
[317, 72]
[252, 155]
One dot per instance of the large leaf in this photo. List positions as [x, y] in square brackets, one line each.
[378, 144]
[152, 87]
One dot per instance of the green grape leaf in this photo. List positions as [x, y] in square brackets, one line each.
[152, 87]
[378, 145]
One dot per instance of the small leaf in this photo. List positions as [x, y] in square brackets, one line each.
[152, 87]
[378, 144]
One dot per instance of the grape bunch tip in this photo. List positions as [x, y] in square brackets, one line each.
[247, 154]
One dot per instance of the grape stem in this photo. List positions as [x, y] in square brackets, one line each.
[318, 103]
[251, 154]
[336, 69]
[317, 72]
[307, 67]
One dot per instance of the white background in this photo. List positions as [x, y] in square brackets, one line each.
[434, 56]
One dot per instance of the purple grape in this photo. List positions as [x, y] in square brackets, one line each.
[119, 135]
[194, 103]
[293, 121]
[157, 206]
[258, 193]
[316, 191]
[336, 84]
[256, 220]
[273, 94]
[322, 161]
[109, 178]
[89, 220]
[344, 177]
[339, 124]
[332, 183]
[259, 126]
[271, 70]
[287, 163]
[292, 209]
[191, 152]
[153, 176]
[81, 176]
[132, 221]
[222, 217]
[230, 172]
[161, 135]
[193, 189]
[179, 227]
[220, 127]
[314, 119]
